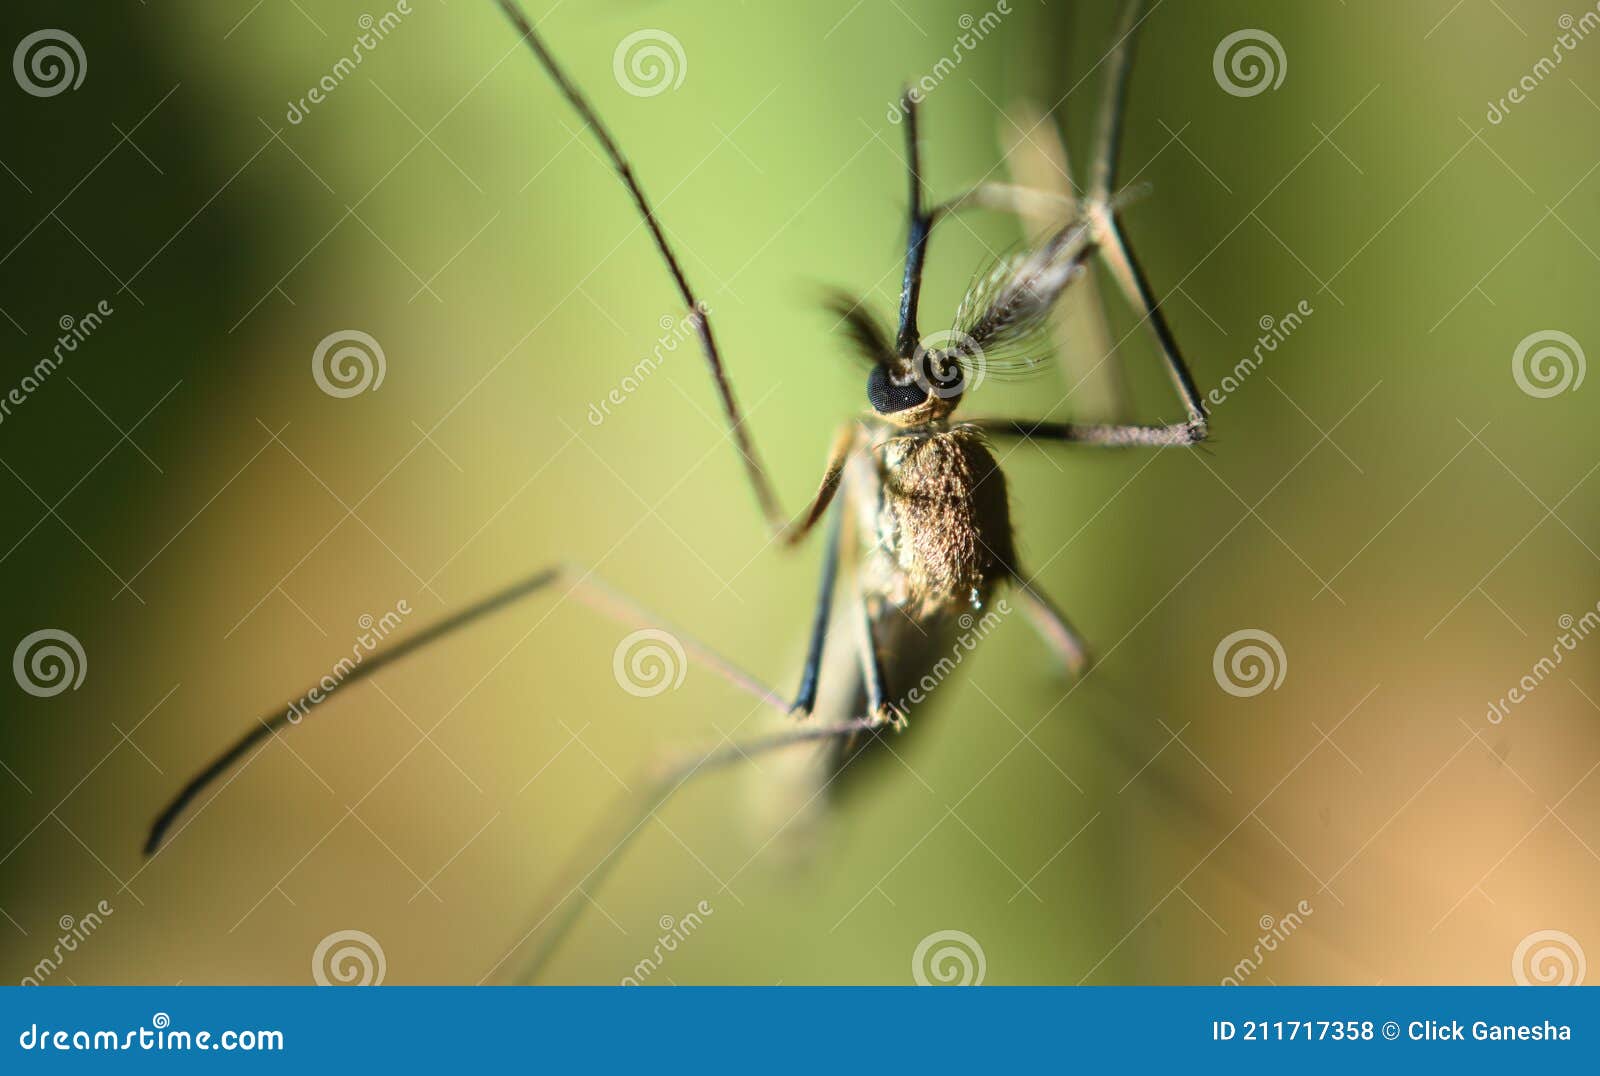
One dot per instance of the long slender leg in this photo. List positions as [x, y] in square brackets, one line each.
[1036, 156]
[1103, 211]
[754, 470]
[883, 710]
[1053, 625]
[908, 338]
[1028, 202]
[1114, 103]
[1114, 248]
[805, 699]
[838, 457]
[623, 824]
[588, 590]
[1102, 434]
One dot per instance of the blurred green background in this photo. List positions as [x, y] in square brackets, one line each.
[1380, 497]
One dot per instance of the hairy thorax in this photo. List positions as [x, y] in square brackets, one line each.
[939, 529]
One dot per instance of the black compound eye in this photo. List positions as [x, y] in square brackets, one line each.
[887, 395]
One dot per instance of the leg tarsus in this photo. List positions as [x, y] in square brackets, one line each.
[629, 815]
[1055, 628]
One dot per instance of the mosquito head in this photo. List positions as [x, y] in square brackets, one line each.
[909, 392]
[906, 390]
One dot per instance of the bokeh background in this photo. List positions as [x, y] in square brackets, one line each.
[1381, 496]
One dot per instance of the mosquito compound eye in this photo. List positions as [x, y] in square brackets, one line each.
[889, 392]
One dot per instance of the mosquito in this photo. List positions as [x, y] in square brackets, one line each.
[915, 503]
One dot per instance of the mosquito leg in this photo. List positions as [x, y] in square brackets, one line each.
[838, 457]
[1029, 203]
[586, 589]
[273, 722]
[805, 699]
[1053, 625]
[1104, 212]
[618, 829]
[1102, 434]
[1114, 103]
[1036, 157]
[883, 710]
[908, 338]
[734, 415]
